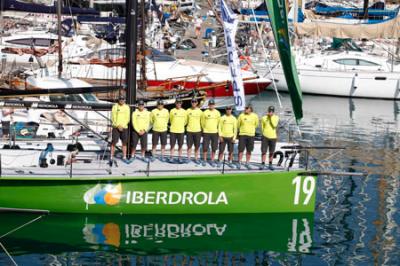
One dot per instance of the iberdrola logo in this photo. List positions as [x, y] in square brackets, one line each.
[107, 195]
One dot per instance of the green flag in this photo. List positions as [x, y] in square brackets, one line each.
[279, 24]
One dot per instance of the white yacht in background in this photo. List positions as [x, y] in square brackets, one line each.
[348, 74]
[21, 46]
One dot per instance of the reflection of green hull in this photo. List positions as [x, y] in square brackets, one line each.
[162, 234]
[269, 192]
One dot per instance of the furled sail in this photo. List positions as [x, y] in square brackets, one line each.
[279, 25]
[389, 29]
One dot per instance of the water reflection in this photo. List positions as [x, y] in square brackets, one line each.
[164, 235]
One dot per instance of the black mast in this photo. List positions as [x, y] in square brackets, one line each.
[60, 58]
[131, 42]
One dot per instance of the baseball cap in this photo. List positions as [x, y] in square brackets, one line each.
[194, 100]
[160, 102]
[121, 97]
[211, 101]
[140, 102]
[229, 107]
[178, 100]
[271, 109]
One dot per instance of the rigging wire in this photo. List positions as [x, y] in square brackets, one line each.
[269, 66]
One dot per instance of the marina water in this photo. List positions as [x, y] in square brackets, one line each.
[356, 221]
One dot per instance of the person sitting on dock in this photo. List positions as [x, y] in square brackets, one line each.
[247, 125]
[120, 117]
[227, 131]
[159, 120]
[209, 123]
[178, 120]
[269, 124]
[141, 125]
[193, 130]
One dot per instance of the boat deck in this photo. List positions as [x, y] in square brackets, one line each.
[138, 168]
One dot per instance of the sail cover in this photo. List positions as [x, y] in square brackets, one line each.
[230, 26]
[279, 25]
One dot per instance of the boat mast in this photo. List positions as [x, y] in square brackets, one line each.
[130, 40]
[143, 81]
[366, 3]
[60, 59]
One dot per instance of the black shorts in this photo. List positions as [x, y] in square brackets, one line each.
[193, 138]
[176, 137]
[135, 140]
[119, 135]
[246, 142]
[210, 137]
[227, 142]
[159, 136]
[268, 144]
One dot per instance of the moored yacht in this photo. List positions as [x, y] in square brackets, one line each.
[348, 74]
[162, 70]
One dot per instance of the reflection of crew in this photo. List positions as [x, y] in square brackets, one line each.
[247, 124]
[227, 131]
[120, 117]
[159, 120]
[209, 123]
[193, 130]
[269, 124]
[178, 120]
[141, 125]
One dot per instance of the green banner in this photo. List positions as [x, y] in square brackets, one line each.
[278, 17]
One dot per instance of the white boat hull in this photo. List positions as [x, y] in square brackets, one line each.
[383, 85]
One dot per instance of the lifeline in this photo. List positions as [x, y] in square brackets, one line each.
[175, 197]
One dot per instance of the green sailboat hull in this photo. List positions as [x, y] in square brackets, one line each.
[263, 192]
[156, 234]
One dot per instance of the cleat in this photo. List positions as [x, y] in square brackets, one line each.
[126, 160]
[247, 166]
[270, 167]
[131, 160]
[262, 167]
[153, 158]
[238, 166]
[203, 163]
[219, 164]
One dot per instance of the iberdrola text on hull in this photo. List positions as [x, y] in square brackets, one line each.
[259, 192]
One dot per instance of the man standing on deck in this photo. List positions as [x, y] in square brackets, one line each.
[159, 120]
[178, 120]
[227, 131]
[120, 117]
[247, 124]
[141, 125]
[193, 130]
[209, 123]
[269, 124]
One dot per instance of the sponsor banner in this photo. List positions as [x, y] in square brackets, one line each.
[230, 26]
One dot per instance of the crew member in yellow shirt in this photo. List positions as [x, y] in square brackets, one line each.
[141, 125]
[120, 117]
[209, 123]
[178, 121]
[247, 125]
[269, 125]
[159, 120]
[227, 131]
[193, 130]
